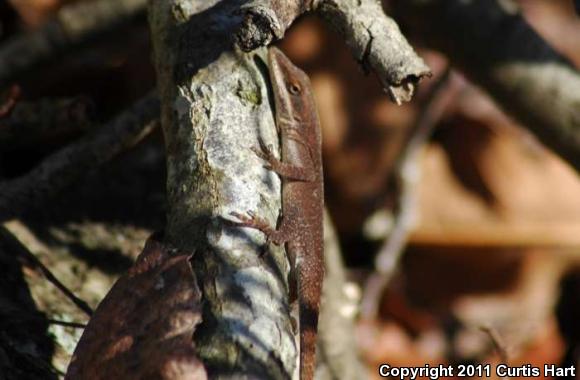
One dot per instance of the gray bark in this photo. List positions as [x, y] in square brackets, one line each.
[215, 104]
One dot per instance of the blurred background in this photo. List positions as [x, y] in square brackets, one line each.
[491, 258]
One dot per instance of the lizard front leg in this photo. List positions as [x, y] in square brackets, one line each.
[285, 170]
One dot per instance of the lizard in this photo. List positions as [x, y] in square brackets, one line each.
[300, 227]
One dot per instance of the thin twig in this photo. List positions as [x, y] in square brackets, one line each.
[36, 264]
[407, 177]
[75, 325]
[72, 162]
[498, 344]
[41, 318]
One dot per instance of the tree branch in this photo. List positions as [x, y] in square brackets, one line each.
[407, 176]
[499, 51]
[266, 21]
[72, 162]
[34, 262]
[374, 39]
[215, 105]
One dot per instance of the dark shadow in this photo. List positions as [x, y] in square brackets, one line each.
[273, 368]
[568, 315]
[206, 36]
[25, 347]
[264, 251]
[127, 190]
[107, 260]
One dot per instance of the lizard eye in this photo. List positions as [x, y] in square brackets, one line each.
[294, 89]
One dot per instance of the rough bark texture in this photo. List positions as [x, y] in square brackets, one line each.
[267, 20]
[499, 51]
[377, 42]
[215, 104]
[374, 38]
[73, 25]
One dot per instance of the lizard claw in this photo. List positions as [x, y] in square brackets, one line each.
[253, 221]
[244, 220]
[265, 152]
[263, 156]
[263, 146]
[235, 214]
[259, 153]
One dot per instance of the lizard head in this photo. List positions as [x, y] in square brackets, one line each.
[291, 85]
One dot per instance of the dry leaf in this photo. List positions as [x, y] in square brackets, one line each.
[143, 328]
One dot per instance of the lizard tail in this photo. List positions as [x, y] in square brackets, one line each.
[310, 284]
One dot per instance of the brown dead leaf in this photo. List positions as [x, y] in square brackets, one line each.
[143, 328]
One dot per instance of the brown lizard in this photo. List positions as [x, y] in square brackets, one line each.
[300, 168]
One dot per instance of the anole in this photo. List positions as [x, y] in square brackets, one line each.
[300, 169]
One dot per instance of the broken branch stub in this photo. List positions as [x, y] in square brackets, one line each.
[378, 44]
[374, 38]
[266, 21]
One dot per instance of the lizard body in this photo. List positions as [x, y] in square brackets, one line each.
[300, 168]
